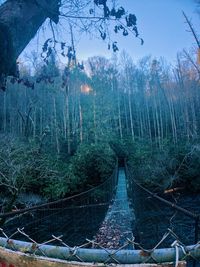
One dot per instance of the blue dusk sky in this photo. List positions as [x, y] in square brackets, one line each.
[162, 26]
[160, 23]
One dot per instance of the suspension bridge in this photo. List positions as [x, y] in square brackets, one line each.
[118, 222]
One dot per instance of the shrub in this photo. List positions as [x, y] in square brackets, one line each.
[24, 169]
[167, 168]
[90, 166]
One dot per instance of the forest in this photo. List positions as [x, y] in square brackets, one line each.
[58, 140]
[62, 128]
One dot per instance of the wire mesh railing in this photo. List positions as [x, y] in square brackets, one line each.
[176, 253]
[75, 218]
[154, 214]
[164, 231]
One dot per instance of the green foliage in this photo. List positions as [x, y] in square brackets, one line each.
[119, 147]
[144, 114]
[92, 163]
[23, 168]
[173, 166]
[90, 166]
[16, 163]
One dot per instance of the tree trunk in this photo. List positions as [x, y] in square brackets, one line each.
[56, 127]
[19, 22]
[119, 114]
[68, 122]
[131, 115]
[81, 121]
[34, 123]
[94, 118]
[4, 112]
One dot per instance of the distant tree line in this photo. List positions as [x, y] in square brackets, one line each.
[149, 100]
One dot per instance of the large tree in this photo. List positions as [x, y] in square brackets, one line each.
[19, 22]
[21, 19]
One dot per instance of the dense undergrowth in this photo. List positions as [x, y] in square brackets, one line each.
[27, 172]
[31, 176]
[173, 166]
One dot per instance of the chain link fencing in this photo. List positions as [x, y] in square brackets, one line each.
[177, 252]
[75, 218]
[154, 214]
[163, 231]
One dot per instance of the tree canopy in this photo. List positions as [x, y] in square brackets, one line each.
[20, 20]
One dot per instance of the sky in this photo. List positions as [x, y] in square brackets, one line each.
[160, 23]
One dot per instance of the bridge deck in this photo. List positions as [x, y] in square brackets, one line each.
[117, 226]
